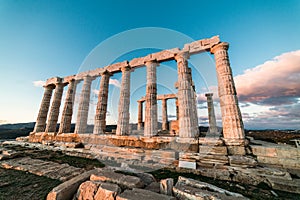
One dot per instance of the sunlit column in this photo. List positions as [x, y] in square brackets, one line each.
[40, 124]
[66, 118]
[100, 117]
[233, 127]
[151, 128]
[123, 119]
[54, 111]
[83, 108]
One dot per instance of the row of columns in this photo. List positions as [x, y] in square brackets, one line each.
[187, 112]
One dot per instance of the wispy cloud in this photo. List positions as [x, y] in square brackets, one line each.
[38, 83]
[274, 82]
[115, 82]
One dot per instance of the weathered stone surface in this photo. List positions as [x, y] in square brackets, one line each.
[154, 187]
[187, 188]
[67, 189]
[242, 161]
[123, 109]
[124, 181]
[187, 164]
[236, 150]
[166, 186]
[211, 114]
[213, 150]
[49, 169]
[233, 127]
[138, 194]
[86, 190]
[107, 191]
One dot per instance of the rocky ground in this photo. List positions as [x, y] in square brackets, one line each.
[25, 184]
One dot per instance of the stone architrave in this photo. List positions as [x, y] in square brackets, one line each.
[151, 128]
[140, 115]
[187, 127]
[164, 114]
[233, 128]
[211, 114]
[100, 117]
[66, 118]
[54, 111]
[123, 118]
[83, 108]
[40, 124]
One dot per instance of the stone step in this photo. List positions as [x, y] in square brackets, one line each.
[49, 169]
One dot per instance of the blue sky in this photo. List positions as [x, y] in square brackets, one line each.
[42, 39]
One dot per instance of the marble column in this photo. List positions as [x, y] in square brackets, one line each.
[187, 127]
[40, 124]
[66, 118]
[194, 103]
[211, 114]
[84, 103]
[140, 115]
[123, 118]
[233, 128]
[151, 128]
[164, 115]
[54, 111]
[177, 109]
[100, 117]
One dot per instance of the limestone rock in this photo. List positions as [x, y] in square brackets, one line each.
[242, 161]
[166, 186]
[191, 189]
[86, 190]
[107, 191]
[140, 194]
[154, 187]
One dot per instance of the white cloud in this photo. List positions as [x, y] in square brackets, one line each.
[115, 82]
[38, 83]
[274, 82]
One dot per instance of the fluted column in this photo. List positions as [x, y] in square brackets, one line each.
[194, 103]
[123, 118]
[140, 116]
[40, 124]
[100, 117]
[177, 109]
[54, 111]
[83, 108]
[164, 115]
[151, 128]
[233, 127]
[187, 127]
[66, 118]
[211, 114]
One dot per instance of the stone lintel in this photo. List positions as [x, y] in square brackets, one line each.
[53, 81]
[116, 67]
[201, 45]
[161, 97]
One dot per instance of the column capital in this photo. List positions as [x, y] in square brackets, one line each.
[209, 94]
[182, 56]
[125, 68]
[151, 63]
[106, 73]
[220, 46]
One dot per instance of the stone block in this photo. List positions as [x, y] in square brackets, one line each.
[138, 194]
[215, 150]
[107, 191]
[86, 190]
[242, 161]
[187, 164]
[166, 186]
[67, 189]
[236, 150]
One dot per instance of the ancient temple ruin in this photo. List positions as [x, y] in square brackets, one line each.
[233, 131]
